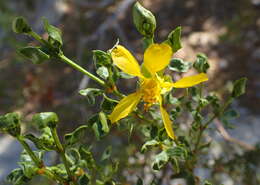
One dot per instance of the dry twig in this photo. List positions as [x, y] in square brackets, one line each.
[229, 138]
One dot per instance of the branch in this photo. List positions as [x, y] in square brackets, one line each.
[229, 138]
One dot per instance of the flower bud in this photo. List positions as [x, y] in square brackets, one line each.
[144, 20]
[10, 123]
[46, 119]
[20, 25]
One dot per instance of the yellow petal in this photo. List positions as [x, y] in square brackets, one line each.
[125, 107]
[190, 81]
[167, 123]
[125, 61]
[157, 57]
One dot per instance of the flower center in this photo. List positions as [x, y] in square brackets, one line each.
[151, 90]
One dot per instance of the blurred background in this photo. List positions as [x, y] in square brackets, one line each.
[228, 32]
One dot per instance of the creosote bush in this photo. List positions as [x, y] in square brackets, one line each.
[152, 110]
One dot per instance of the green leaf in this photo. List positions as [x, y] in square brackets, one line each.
[147, 41]
[160, 160]
[177, 152]
[99, 125]
[203, 102]
[115, 74]
[201, 64]
[144, 20]
[179, 65]
[228, 116]
[75, 136]
[54, 34]
[101, 58]
[74, 156]
[175, 164]
[214, 102]
[207, 183]
[108, 104]
[239, 87]
[20, 25]
[58, 169]
[174, 39]
[44, 142]
[171, 99]
[107, 153]
[90, 94]
[10, 123]
[35, 54]
[103, 121]
[83, 180]
[231, 114]
[29, 170]
[125, 75]
[103, 72]
[46, 119]
[88, 157]
[174, 113]
[27, 165]
[139, 181]
[149, 144]
[17, 177]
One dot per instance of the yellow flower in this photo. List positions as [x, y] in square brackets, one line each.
[156, 58]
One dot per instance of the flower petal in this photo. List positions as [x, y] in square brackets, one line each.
[125, 107]
[157, 57]
[167, 123]
[125, 61]
[190, 81]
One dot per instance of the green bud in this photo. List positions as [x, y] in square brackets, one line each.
[10, 123]
[144, 20]
[36, 54]
[46, 119]
[20, 25]
[239, 87]
[91, 94]
[17, 177]
[75, 136]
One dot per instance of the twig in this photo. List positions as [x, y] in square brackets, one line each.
[229, 138]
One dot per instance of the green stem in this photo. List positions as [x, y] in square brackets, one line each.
[49, 174]
[38, 38]
[27, 148]
[120, 95]
[221, 111]
[79, 68]
[67, 60]
[228, 102]
[61, 151]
